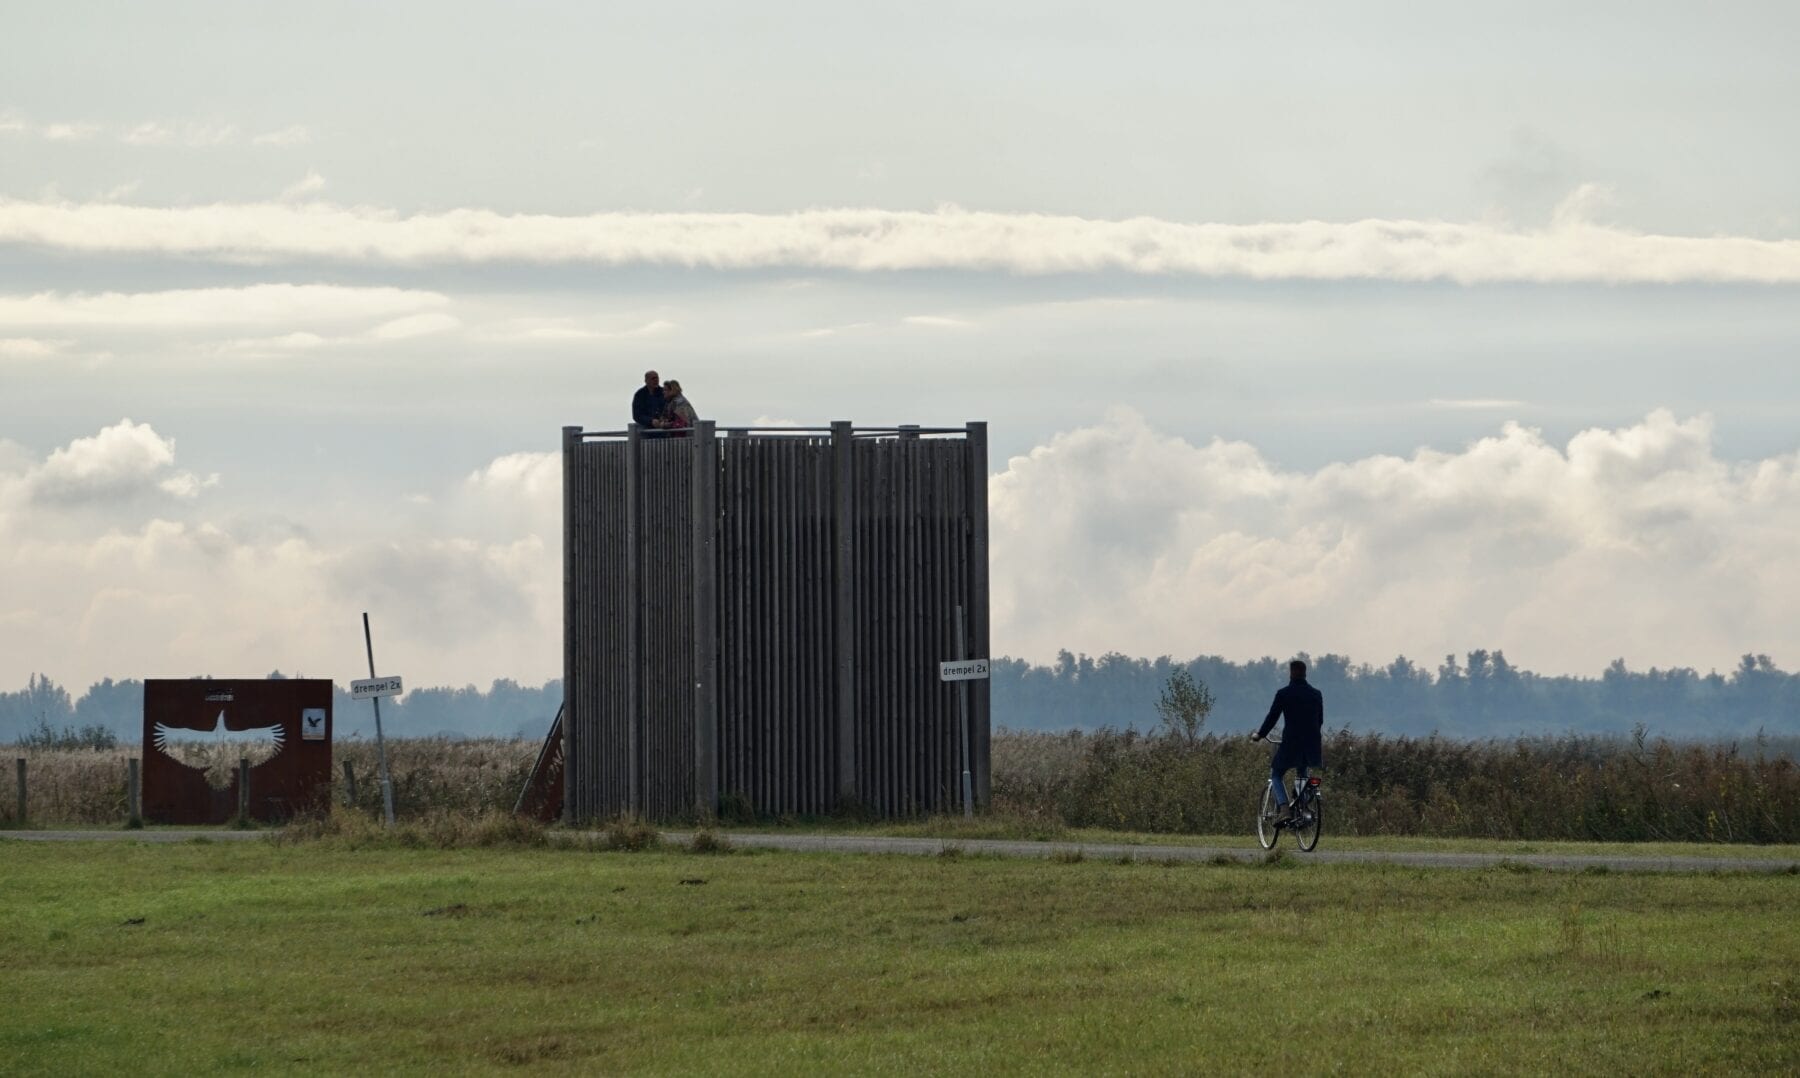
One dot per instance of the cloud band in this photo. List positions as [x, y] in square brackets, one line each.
[1571, 250]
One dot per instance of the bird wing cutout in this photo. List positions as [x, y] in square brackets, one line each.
[168, 736]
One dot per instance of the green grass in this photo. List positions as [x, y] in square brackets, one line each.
[325, 958]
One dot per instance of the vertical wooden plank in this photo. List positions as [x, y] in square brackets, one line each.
[843, 585]
[574, 774]
[704, 581]
[981, 732]
[634, 642]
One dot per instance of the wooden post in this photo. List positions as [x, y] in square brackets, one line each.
[134, 809]
[349, 785]
[21, 791]
[243, 789]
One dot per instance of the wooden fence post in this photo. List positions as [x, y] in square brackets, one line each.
[21, 791]
[134, 808]
[349, 785]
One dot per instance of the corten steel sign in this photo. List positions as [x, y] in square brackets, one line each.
[196, 731]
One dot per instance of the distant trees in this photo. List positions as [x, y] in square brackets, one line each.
[1477, 695]
[1480, 694]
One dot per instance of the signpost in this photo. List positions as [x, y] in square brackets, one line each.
[369, 688]
[374, 688]
[963, 671]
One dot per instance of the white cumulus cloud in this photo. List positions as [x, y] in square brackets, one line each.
[122, 461]
[1639, 542]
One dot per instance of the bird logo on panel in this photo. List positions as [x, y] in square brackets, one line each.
[217, 751]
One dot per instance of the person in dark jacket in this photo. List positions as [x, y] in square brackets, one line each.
[647, 403]
[1301, 738]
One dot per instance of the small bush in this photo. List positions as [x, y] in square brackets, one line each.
[707, 840]
[438, 830]
[629, 834]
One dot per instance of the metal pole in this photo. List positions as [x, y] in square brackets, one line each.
[962, 715]
[134, 812]
[21, 790]
[387, 785]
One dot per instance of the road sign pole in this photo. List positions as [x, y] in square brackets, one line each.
[962, 718]
[387, 784]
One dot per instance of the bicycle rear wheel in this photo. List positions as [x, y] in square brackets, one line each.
[1309, 823]
[1266, 831]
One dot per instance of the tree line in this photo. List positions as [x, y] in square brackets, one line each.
[1477, 695]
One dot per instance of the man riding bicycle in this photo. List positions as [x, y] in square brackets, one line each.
[1301, 737]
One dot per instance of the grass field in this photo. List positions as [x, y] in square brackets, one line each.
[325, 958]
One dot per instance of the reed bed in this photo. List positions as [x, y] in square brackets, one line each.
[1573, 788]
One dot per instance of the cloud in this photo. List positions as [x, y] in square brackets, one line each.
[415, 325]
[1475, 404]
[1639, 542]
[934, 321]
[92, 593]
[30, 348]
[310, 184]
[552, 330]
[148, 134]
[520, 475]
[1572, 249]
[123, 461]
[832, 331]
[250, 305]
[293, 135]
[70, 132]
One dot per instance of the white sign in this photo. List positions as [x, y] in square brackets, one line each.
[963, 670]
[312, 724]
[370, 687]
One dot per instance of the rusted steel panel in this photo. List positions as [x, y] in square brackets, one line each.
[214, 722]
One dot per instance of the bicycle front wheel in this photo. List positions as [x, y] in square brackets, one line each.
[1309, 823]
[1266, 831]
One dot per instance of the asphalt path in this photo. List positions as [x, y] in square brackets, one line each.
[1111, 851]
[1101, 851]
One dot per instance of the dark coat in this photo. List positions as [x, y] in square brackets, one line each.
[1303, 735]
[646, 405]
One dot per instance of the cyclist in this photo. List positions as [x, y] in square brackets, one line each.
[1300, 748]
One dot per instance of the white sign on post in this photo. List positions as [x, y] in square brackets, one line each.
[370, 687]
[963, 670]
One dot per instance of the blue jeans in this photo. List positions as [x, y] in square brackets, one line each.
[1281, 797]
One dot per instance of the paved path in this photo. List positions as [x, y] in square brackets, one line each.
[1107, 851]
[1099, 851]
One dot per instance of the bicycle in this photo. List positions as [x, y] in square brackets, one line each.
[1306, 820]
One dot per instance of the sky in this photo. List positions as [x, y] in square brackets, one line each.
[1368, 328]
